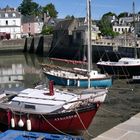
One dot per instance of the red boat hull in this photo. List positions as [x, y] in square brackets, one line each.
[73, 121]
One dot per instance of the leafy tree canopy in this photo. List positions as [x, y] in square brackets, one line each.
[28, 7]
[124, 14]
[109, 14]
[50, 10]
[105, 24]
[69, 17]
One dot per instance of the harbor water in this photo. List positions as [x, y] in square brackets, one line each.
[123, 100]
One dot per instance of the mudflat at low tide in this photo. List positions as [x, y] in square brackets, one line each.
[122, 102]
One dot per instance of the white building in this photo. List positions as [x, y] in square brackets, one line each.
[10, 22]
[125, 24]
[122, 28]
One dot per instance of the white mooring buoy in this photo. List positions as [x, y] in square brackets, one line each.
[20, 123]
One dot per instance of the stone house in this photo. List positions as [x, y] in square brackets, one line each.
[62, 35]
[73, 32]
[81, 33]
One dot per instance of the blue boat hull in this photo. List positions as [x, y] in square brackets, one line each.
[104, 82]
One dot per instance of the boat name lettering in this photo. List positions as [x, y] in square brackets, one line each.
[65, 118]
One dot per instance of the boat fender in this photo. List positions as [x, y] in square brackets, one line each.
[29, 126]
[78, 83]
[20, 123]
[68, 82]
[12, 122]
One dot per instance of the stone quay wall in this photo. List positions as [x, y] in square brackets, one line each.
[42, 45]
[38, 44]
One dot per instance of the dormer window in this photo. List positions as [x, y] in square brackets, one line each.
[6, 14]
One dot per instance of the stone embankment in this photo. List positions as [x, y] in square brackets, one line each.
[12, 45]
[38, 44]
[42, 45]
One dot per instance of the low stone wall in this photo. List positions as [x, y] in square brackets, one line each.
[17, 44]
[41, 45]
[38, 44]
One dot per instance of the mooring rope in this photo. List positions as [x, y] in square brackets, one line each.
[83, 124]
[54, 126]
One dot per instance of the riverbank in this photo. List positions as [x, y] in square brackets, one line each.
[121, 104]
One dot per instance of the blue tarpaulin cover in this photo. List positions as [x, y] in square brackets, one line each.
[26, 135]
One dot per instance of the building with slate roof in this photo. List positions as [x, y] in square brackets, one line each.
[31, 25]
[73, 31]
[10, 23]
[62, 35]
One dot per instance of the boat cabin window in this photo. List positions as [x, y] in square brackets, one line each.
[29, 106]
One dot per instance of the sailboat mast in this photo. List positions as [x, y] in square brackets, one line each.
[135, 41]
[89, 39]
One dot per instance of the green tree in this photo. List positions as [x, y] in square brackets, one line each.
[37, 10]
[105, 25]
[47, 30]
[50, 10]
[69, 17]
[124, 14]
[109, 14]
[28, 7]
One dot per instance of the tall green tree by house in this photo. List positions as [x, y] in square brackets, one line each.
[50, 10]
[105, 25]
[28, 7]
[123, 14]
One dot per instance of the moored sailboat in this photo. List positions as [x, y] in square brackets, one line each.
[125, 67]
[49, 110]
[77, 76]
